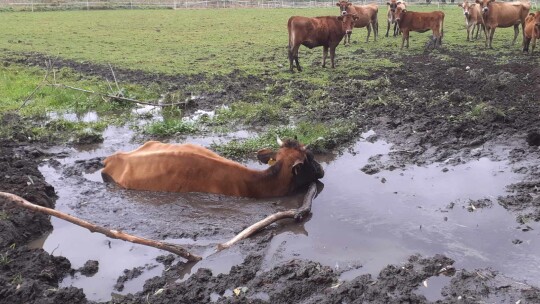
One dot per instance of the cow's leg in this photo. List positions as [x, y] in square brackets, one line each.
[486, 32]
[290, 58]
[396, 29]
[491, 34]
[516, 32]
[526, 43]
[523, 30]
[405, 35]
[332, 55]
[469, 31]
[295, 56]
[387, 29]
[368, 32]
[324, 55]
[533, 43]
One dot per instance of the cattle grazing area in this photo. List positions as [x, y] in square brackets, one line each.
[426, 158]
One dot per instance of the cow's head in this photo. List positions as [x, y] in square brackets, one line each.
[347, 22]
[399, 12]
[392, 5]
[344, 7]
[466, 8]
[293, 159]
[484, 5]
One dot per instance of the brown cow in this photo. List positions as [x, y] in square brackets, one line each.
[319, 31]
[532, 31]
[473, 18]
[392, 6]
[157, 166]
[367, 17]
[503, 14]
[420, 22]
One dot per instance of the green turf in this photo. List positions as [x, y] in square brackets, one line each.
[204, 41]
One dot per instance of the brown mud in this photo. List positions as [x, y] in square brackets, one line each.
[434, 111]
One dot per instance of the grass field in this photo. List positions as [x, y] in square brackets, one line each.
[201, 41]
[213, 43]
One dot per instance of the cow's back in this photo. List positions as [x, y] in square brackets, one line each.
[506, 14]
[175, 168]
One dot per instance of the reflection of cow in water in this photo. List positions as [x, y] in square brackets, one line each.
[157, 166]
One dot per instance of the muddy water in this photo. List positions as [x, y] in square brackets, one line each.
[360, 222]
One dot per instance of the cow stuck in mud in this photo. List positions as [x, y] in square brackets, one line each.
[158, 166]
[319, 31]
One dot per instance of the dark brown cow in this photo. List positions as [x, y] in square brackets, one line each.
[532, 31]
[367, 17]
[473, 18]
[157, 166]
[503, 14]
[420, 22]
[319, 31]
[392, 6]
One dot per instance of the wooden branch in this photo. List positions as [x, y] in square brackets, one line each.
[49, 67]
[120, 97]
[297, 214]
[115, 234]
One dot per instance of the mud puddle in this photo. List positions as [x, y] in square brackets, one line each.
[360, 223]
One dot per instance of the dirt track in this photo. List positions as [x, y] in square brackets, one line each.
[466, 113]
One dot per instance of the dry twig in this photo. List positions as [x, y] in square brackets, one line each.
[297, 214]
[115, 234]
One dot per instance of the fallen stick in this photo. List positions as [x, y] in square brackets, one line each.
[119, 97]
[297, 214]
[115, 234]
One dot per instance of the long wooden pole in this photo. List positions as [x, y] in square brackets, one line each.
[115, 234]
[297, 214]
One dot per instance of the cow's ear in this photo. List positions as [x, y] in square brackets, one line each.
[387, 3]
[340, 18]
[349, 4]
[491, 0]
[478, 1]
[337, 4]
[296, 167]
[460, 5]
[266, 156]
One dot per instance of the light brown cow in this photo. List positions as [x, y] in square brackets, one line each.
[532, 31]
[473, 18]
[503, 14]
[319, 31]
[392, 6]
[367, 17]
[420, 22]
[157, 166]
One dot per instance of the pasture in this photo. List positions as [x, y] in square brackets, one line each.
[426, 153]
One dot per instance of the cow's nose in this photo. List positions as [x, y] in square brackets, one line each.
[466, 13]
[485, 9]
[343, 13]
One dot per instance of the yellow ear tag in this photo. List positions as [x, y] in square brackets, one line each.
[271, 161]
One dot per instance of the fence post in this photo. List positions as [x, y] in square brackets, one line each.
[87, 5]
[32, 6]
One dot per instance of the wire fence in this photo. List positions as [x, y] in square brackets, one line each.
[40, 5]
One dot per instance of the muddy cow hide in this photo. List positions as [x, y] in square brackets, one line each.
[500, 14]
[367, 17]
[532, 31]
[420, 22]
[319, 31]
[158, 166]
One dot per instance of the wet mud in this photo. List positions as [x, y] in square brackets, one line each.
[458, 123]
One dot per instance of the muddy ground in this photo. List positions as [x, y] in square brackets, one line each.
[436, 109]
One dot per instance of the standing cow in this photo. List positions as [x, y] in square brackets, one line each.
[392, 6]
[503, 14]
[319, 31]
[532, 31]
[367, 17]
[473, 18]
[420, 22]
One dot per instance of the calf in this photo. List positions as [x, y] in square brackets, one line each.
[392, 6]
[319, 31]
[503, 14]
[473, 18]
[420, 22]
[157, 166]
[367, 17]
[532, 31]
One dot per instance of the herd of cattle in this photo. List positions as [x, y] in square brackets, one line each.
[328, 31]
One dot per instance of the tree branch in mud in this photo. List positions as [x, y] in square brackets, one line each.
[297, 214]
[49, 66]
[115, 234]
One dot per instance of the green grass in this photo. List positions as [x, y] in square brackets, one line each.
[209, 41]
